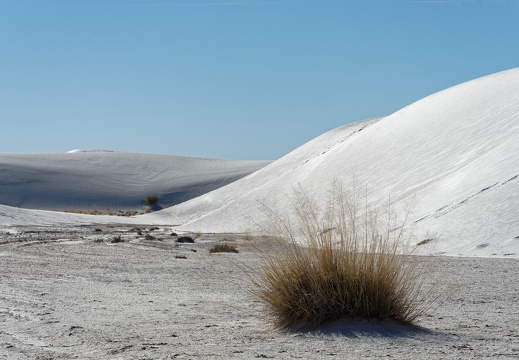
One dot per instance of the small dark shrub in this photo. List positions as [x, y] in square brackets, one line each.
[223, 248]
[185, 240]
[180, 257]
[117, 239]
[174, 234]
[149, 237]
[152, 200]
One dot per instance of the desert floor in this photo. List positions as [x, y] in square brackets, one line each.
[72, 293]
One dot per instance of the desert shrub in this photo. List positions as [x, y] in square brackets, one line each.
[226, 248]
[117, 239]
[152, 200]
[149, 237]
[185, 239]
[343, 260]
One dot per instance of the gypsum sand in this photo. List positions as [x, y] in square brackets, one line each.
[71, 293]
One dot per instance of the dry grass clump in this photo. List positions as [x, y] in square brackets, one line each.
[341, 261]
[223, 248]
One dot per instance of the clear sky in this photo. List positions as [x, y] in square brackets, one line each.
[235, 79]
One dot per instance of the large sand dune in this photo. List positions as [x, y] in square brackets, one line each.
[455, 154]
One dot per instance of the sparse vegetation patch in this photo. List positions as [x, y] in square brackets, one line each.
[223, 248]
[126, 213]
[117, 239]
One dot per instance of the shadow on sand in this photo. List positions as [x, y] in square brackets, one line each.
[368, 328]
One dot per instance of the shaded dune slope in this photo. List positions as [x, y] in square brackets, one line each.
[111, 180]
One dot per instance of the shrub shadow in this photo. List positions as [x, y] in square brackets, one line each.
[367, 328]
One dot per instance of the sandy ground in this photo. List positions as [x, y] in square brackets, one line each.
[71, 293]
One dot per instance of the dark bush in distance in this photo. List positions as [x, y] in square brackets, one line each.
[185, 239]
[117, 239]
[152, 200]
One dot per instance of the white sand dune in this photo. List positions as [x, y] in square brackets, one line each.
[456, 153]
[92, 179]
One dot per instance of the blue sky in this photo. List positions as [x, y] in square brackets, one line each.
[235, 79]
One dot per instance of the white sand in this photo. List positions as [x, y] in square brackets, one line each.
[65, 296]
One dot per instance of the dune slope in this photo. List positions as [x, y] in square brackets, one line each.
[111, 180]
[456, 153]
